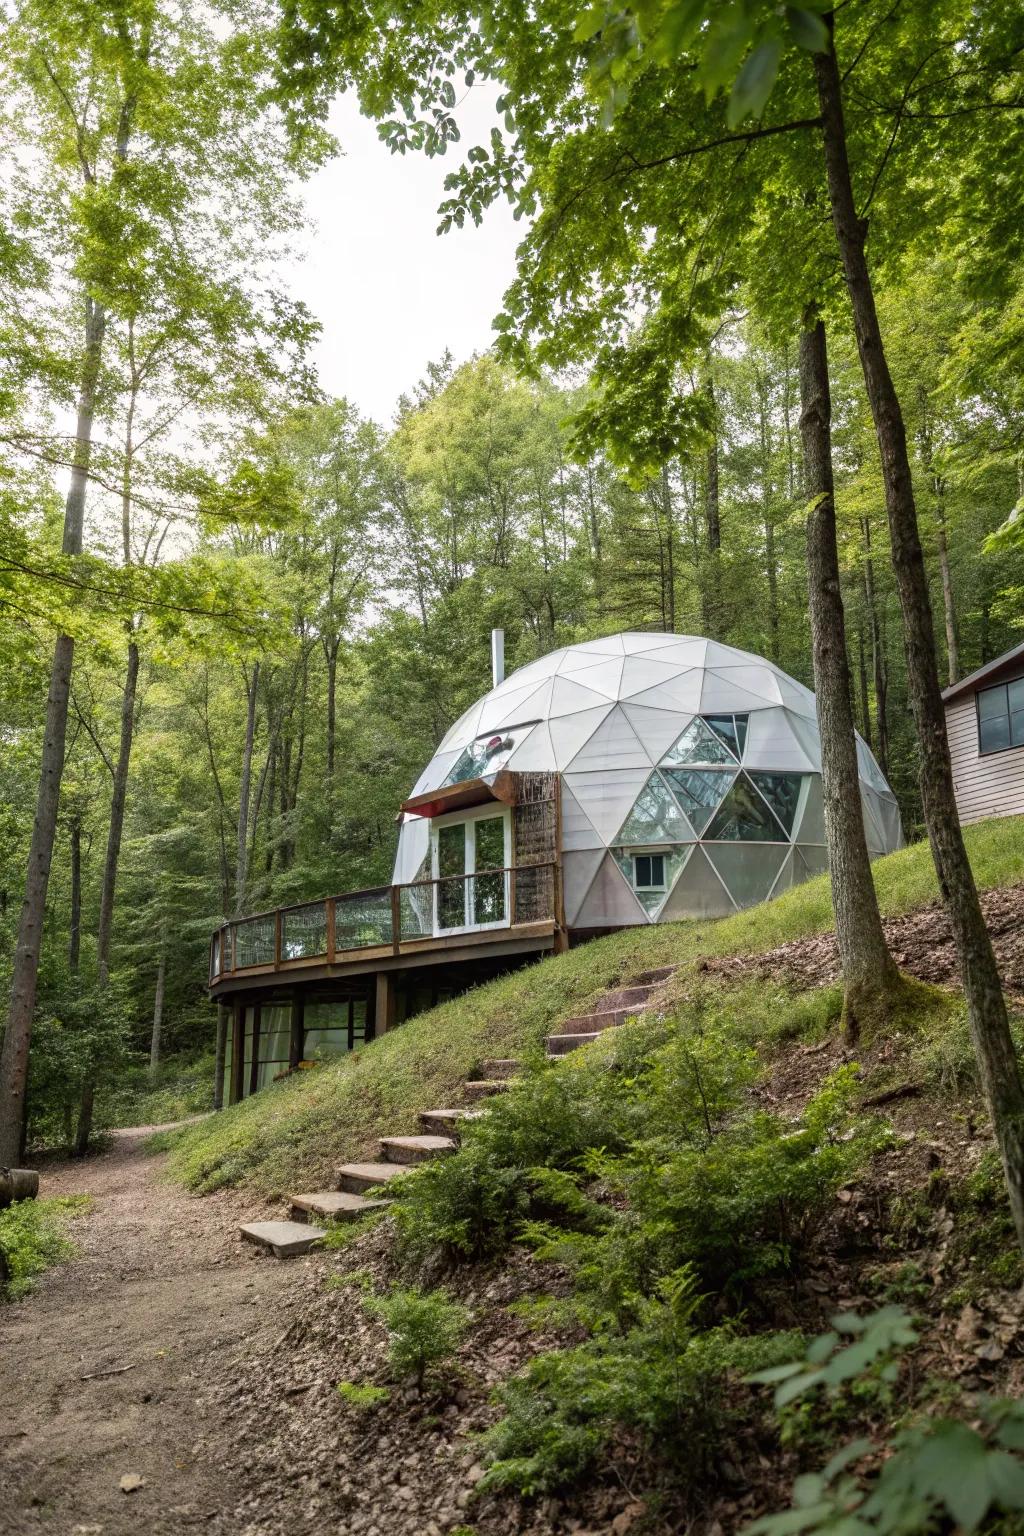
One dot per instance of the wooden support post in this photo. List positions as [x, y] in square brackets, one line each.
[351, 1023]
[332, 931]
[254, 1064]
[277, 940]
[297, 1039]
[396, 919]
[384, 1004]
[237, 1049]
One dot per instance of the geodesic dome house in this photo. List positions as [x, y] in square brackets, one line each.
[687, 781]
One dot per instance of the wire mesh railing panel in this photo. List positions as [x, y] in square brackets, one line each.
[362, 919]
[304, 931]
[254, 942]
[416, 910]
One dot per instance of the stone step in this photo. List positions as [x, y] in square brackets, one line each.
[593, 1023]
[625, 997]
[333, 1205]
[446, 1122]
[415, 1149]
[484, 1088]
[356, 1178]
[284, 1239]
[499, 1066]
[654, 978]
[561, 1045]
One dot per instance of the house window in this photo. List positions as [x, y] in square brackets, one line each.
[1001, 717]
[649, 871]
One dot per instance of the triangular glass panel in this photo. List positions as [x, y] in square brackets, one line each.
[782, 791]
[744, 817]
[655, 817]
[486, 755]
[651, 899]
[731, 729]
[700, 792]
[699, 744]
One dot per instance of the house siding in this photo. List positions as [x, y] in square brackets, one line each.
[992, 785]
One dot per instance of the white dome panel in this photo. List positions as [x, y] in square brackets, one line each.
[505, 708]
[613, 745]
[606, 797]
[578, 831]
[534, 752]
[773, 742]
[609, 903]
[569, 695]
[578, 871]
[642, 672]
[605, 676]
[761, 682]
[635, 643]
[570, 733]
[719, 696]
[656, 728]
[681, 694]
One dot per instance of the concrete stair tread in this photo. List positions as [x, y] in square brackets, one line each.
[653, 978]
[336, 1204]
[588, 1023]
[446, 1122]
[414, 1149]
[483, 1088]
[284, 1239]
[500, 1066]
[451, 1114]
[561, 1045]
[364, 1174]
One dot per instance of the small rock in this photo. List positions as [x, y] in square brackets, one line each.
[131, 1481]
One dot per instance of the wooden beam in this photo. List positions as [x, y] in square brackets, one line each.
[384, 1003]
[297, 1038]
[457, 797]
[254, 1064]
[237, 1049]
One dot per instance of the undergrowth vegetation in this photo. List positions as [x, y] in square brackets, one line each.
[33, 1237]
[301, 1128]
[646, 1168]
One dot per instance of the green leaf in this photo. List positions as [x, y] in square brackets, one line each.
[796, 1387]
[843, 1457]
[754, 82]
[807, 29]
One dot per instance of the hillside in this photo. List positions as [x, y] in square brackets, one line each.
[296, 1132]
[587, 1286]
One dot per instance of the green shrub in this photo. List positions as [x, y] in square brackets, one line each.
[936, 1475]
[662, 1378]
[424, 1329]
[32, 1238]
[362, 1396]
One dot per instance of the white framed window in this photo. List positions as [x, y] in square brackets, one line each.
[471, 852]
[649, 871]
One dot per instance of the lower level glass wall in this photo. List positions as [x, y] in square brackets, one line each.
[331, 1029]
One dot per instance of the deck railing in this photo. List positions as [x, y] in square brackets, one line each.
[386, 916]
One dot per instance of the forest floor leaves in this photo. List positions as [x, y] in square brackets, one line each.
[102, 1366]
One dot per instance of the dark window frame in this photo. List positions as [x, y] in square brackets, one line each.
[1013, 746]
[653, 887]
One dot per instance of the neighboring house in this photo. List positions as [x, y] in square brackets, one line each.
[985, 722]
[637, 779]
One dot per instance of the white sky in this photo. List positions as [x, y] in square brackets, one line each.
[390, 293]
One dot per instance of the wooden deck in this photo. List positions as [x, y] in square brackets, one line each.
[386, 929]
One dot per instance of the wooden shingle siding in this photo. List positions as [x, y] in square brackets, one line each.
[992, 785]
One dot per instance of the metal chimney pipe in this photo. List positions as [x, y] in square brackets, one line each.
[497, 656]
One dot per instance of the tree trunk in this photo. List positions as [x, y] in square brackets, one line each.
[75, 933]
[219, 1060]
[985, 1002]
[18, 1031]
[870, 976]
[862, 678]
[880, 671]
[669, 576]
[117, 804]
[332, 691]
[83, 1130]
[948, 604]
[241, 866]
[158, 1005]
[711, 596]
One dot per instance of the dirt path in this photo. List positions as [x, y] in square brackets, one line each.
[161, 1283]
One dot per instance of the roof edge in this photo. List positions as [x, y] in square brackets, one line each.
[973, 678]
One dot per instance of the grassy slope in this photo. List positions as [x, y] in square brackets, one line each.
[296, 1132]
